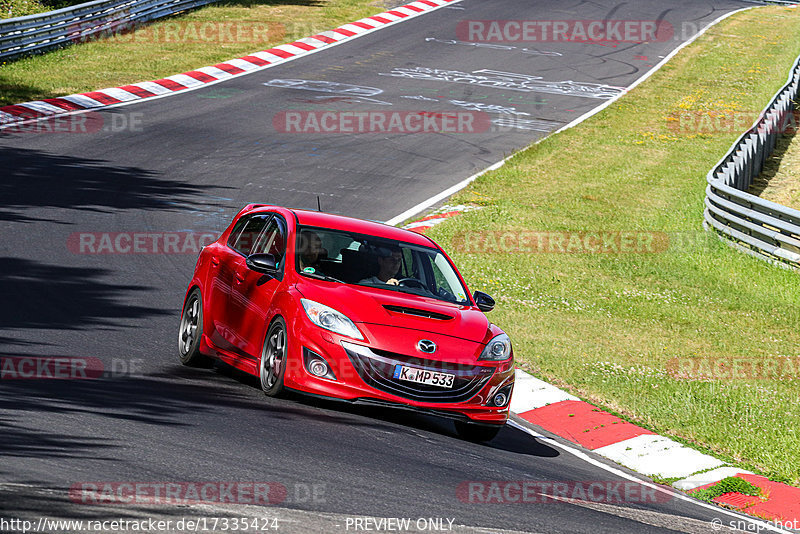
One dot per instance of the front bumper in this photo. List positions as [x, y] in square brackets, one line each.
[364, 376]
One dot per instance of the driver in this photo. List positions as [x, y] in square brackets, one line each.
[310, 250]
[389, 261]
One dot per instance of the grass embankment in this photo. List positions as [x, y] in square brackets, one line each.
[20, 8]
[673, 340]
[10, 9]
[206, 36]
[780, 180]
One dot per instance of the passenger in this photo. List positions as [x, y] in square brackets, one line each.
[389, 261]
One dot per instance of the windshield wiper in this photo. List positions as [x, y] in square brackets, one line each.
[320, 276]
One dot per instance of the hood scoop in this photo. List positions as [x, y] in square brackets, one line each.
[418, 312]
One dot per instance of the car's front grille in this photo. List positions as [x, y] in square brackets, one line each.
[376, 368]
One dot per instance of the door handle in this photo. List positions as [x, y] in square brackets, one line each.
[214, 261]
[239, 277]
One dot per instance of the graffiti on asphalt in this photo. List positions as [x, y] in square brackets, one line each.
[341, 100]
[508, 81]
[536, 125]
[487, 108]
[325, 87]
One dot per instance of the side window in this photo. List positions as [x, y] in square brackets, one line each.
[237, 230]
[246, 236]
[272, 240]
[446, 279]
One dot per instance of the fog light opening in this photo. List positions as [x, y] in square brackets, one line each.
[316, 365]
[502, 397]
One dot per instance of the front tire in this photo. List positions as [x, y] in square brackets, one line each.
[476, 433]
[191, 330]
[273, 359]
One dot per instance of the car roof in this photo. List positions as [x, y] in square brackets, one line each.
[361, 226]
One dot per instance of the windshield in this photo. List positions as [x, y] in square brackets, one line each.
[375, 262]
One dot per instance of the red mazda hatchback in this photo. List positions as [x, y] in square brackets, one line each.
[348, 309]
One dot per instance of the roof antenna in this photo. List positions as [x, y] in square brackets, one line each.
[319, 206]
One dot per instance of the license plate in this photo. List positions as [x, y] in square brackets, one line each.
[423, 376]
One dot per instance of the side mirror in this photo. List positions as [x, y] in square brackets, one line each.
[484, 302]
[262, 263]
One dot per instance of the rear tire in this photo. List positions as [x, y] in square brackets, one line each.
[273, 359]
[191, 330]
[476, 433]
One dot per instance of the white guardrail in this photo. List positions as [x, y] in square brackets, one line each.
[22, 36]
[756, 226]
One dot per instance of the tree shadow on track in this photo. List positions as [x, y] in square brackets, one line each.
[173, 399]
[39, 295]
[509, 439]
[36, 179]
[32, 501]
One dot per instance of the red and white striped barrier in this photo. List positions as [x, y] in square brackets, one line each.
[644, 451]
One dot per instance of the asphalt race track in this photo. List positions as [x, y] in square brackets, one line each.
[187, 163]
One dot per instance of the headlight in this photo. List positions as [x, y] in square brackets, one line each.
[498, 349]
[330, 319]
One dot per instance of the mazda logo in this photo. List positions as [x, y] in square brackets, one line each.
[426, 345]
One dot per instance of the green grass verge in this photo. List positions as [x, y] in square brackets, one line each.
[727, 485]
[626, 330]
[174, 45]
